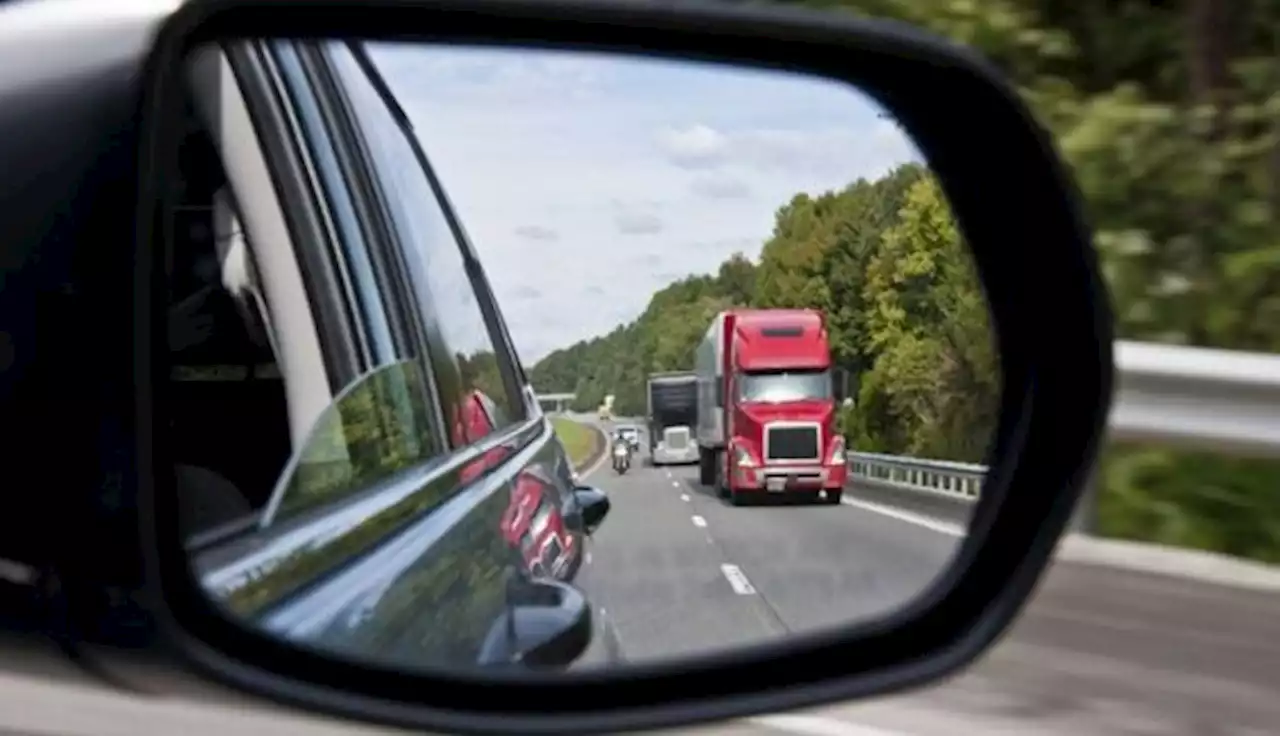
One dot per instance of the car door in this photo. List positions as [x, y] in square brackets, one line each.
[441, 602]
[384, 538]
[475, 362]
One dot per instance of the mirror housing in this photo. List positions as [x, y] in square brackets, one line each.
[1049, 310]
[594, 506]
[548, 625]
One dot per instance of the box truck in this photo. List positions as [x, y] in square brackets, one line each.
[672, 414]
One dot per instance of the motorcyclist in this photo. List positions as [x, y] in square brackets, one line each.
[621, 450]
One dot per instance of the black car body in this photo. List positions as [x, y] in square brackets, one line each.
[407, 482]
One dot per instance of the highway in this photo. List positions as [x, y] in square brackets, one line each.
[1109, 649]
[1102, 649]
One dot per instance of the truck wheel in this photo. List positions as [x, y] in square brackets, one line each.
[833, 497]
[722, 483]
[706, 468]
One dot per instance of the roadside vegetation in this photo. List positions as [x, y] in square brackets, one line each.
[1169, 117]
[580, 441]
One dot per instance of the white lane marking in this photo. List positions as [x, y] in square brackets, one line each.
[700, 522]
[684, 497]
[675, 484]
[737, 579]
[942, 527]
[818, 726]
[588, 557]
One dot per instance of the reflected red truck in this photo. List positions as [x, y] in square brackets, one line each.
[533, 523]
[767, 405]
[472, 423]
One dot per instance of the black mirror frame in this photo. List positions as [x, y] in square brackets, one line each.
[1016, 206]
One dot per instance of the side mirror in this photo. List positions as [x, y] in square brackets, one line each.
[594, 505]
[548, 624]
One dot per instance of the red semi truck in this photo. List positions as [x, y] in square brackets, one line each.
[767, 406]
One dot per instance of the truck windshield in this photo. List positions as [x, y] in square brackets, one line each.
[775, 387]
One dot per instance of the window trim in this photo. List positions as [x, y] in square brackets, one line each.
[512, 372]
[303, 90]
[293, 176]
[305, 84]
[412, 332]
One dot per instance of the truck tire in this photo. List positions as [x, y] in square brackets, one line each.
[706, 467]
[722, 483]
[833, 497]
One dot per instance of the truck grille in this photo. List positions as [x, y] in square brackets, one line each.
[792, 443]
[676, 439]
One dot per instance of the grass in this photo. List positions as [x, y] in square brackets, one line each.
[578, 439]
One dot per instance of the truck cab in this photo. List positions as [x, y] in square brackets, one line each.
[771, 428]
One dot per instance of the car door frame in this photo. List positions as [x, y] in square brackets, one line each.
[523, 432]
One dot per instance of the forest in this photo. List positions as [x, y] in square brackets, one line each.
[905, 315]
[1169, 116]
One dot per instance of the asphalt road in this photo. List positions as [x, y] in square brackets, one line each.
[1099, 650]
[680, 571]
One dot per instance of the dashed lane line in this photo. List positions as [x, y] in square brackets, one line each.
[737, 579]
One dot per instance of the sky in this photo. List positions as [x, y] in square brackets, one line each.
[586, 182]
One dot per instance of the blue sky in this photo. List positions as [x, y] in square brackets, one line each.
[587, 182]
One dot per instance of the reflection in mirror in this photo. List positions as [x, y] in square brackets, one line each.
[744, 288]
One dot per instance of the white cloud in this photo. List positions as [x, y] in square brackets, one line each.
[587, 182]
[695, 146]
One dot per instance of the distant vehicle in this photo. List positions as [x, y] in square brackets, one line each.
[621, 456]
[767, 406]
[605, 412]
[673, 412]
[631, 434]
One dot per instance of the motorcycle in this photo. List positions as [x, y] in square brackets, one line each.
[621, 457]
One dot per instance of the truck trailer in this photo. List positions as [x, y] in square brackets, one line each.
[673, 412]
[767, 406]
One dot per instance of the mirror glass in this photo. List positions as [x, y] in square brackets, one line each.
[512, 358]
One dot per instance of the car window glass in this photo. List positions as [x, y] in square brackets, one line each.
[443, 287]
[375, 429]
[381, 423]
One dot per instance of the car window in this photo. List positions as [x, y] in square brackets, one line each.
[378, 427]
[340, 204]
[445, 292]
[383, 422]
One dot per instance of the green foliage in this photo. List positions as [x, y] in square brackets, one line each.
[886, 265]
[375, 428]
[580, 441]
[1169, 116]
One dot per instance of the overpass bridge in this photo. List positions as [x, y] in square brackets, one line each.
[554, 402]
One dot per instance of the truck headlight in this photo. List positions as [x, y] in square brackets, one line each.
[742, 458]
[837, 451]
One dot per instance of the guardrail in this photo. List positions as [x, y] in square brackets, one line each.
[961, 481]
[1221, 401]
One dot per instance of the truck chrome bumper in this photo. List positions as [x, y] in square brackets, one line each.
[675, 457]
[790, 478]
